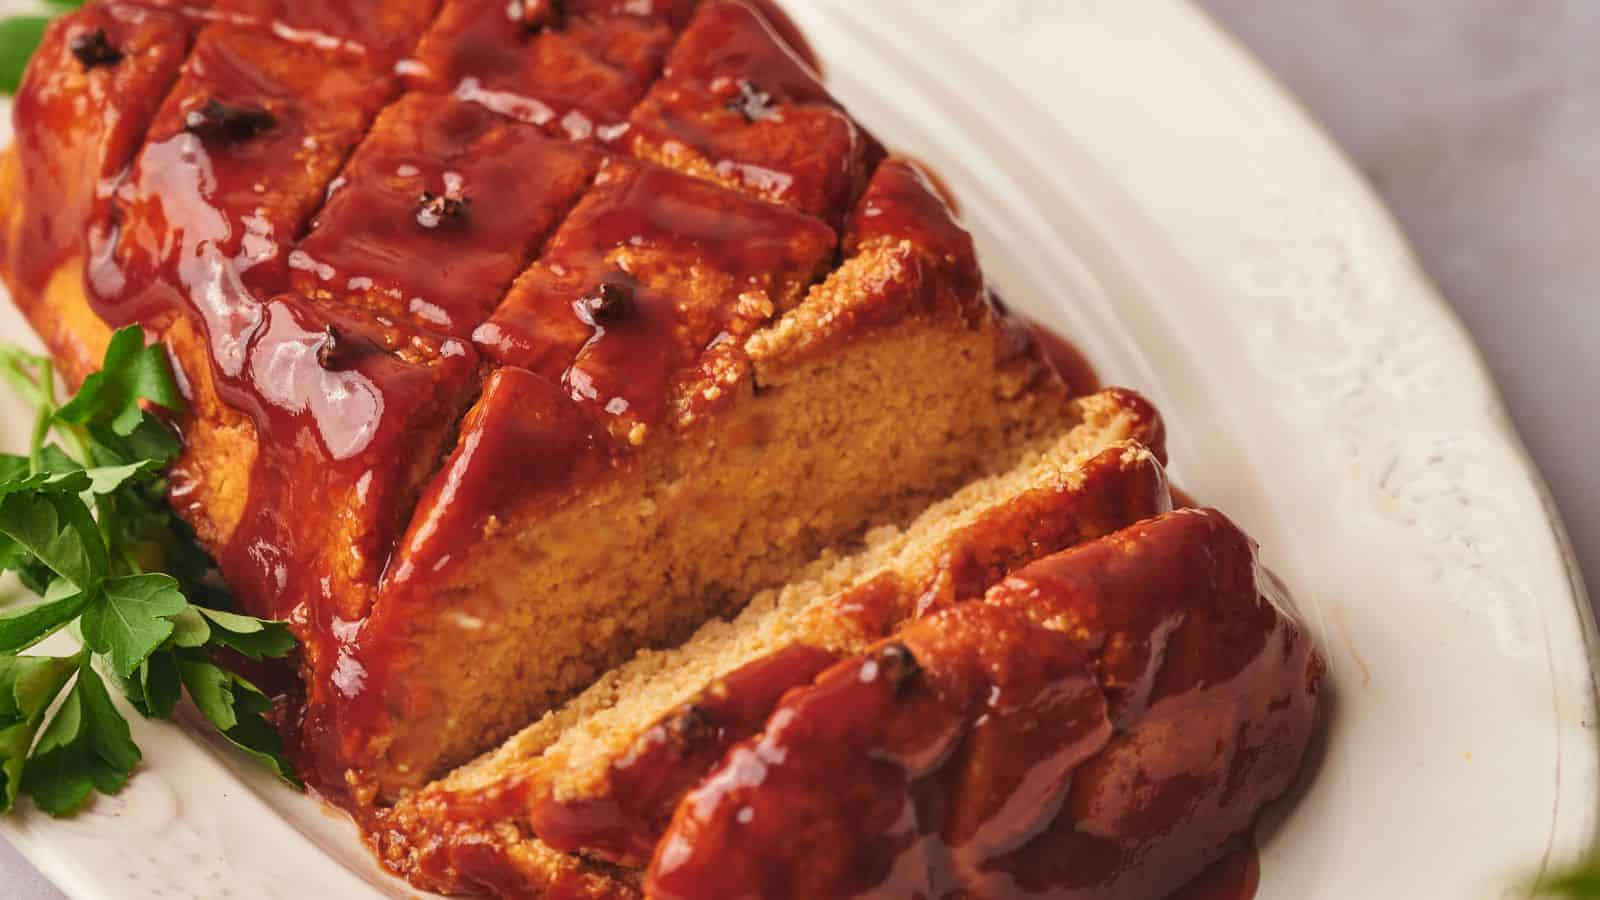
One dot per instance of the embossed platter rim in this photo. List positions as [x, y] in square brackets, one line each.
[1457, 756]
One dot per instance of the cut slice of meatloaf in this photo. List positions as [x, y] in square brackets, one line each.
[600, 776]
[1101, 726]
[489, 385]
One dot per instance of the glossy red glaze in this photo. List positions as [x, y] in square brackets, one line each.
[936, 181]
[523, 424]
[1234, 877]
[1112, 491]
[920, 744]
[378, 243]
[200, 229]
[380, 31]
[901, 204]
[623, 823]
[687, 263]
[201, 225]
[737, 96]
[79, 127]
[578, 80]
[791, 34]
[1214, 688]
[336, 415]
[729, 41]
[1204, 691]
[1067, 359]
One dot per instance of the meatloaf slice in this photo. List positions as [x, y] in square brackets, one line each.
[1100, 726]
[601, 775]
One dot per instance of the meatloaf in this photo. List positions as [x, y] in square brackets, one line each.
[571, 329]
[1007, 700]
[588, 390]
[600, 775]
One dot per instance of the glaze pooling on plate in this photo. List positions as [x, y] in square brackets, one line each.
[1418, 477]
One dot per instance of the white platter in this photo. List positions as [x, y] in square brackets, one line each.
[1135, 181]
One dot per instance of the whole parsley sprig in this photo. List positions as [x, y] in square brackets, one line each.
[84, 525]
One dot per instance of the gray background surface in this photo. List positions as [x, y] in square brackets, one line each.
[1479, 121]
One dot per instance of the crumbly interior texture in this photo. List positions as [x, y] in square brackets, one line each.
[568, 752]
[546, 604]
[592, 731]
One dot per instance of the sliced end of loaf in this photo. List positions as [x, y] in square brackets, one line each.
[572, 762]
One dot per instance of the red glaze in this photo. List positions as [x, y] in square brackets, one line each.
[728, 40]
[379, 31]
[523, 424]
[936, 182]
[336, 416]
[735, 95]
[623, 823]
[201, 229]
[1112, 491]
[687, 263]
[578, 80]
[932, 752]
[1205, 692]
[1067, 359]
[1214, 689]
[79, 126]
[522, 436]
[199, 225]
[900, 204]
[786, 29]
[379, 243]
[1234, 877]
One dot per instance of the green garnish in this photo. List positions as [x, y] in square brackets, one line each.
[1579, 883]
[19, 37]
[84, 524]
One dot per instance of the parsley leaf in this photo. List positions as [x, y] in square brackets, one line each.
[84, 524]
[85, 748]
[21, 629]
[28, 685]
[59, 532]
[19, 35]
[253, 638]
[239, 710]
[132, 371]
[128, 620]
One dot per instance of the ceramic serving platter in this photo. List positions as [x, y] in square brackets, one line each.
[1138, 184]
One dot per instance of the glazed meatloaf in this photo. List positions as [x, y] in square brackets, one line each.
[568, 331]
[598, 778]
[663, 503]
[993, 703]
